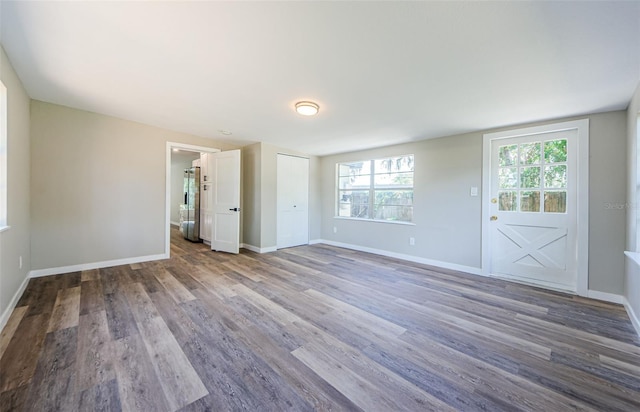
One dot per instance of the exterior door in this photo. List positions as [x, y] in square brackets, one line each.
[533, 182]
[224, 169]
[292, 201]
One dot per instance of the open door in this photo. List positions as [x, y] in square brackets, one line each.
[224, 169]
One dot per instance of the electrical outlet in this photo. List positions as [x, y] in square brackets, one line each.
[335, 229]
[412, 241]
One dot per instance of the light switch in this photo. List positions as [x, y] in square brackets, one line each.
[474, 191]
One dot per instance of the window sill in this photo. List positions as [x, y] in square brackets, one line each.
[635, 256]
[393, 222]
[4, 228]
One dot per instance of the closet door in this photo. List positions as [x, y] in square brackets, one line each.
[292, 201]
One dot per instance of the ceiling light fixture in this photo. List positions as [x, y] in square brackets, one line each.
[225, 132]
[307, 108]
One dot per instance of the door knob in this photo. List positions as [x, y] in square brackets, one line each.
[492, 218]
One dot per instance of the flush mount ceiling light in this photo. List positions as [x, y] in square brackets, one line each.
[225, 132]
[307, 108]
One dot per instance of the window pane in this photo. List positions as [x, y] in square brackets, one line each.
[508, 155]
[555, 151]
[394, 213]
[394, 197]
[530, 153]
[555, 202]
[354, 169]
[393, 179]
[394, 164]
[508, 177]
[508, 201]
[393, 205]
[555, 176]
[354, 182]
[530, 201]
[529, 177]
[353, 203]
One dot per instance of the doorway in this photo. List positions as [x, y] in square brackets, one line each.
[169, 217]
[535, 206]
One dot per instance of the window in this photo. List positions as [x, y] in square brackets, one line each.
[533, 173]
[3, 156]
[379, 189]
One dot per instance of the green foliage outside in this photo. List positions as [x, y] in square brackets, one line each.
[535, 166]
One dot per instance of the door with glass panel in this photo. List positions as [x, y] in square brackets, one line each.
[533, 208]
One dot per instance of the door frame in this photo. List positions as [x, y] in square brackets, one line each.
[582, 217]
[167, 207]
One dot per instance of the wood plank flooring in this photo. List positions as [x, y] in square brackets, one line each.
[309, 328]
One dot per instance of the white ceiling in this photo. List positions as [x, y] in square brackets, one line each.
[382, 72]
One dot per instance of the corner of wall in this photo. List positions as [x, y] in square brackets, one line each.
[15, 243]
[632, 257]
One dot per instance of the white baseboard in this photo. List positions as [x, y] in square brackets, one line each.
[315, 241]
[416, 259]
[175, 223]
[524, 281]
[607, 297]
[95, 265]
[635, 318]
[256, 249]
[12, 304]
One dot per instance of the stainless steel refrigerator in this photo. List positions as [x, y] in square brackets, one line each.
[190, 210]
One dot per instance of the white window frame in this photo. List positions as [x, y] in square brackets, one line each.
[4, 224]
[372, 189]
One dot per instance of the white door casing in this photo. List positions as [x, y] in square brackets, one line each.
[206, 214]
[224, 169]
[292, 201]
[531, 232]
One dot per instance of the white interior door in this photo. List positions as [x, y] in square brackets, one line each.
[224, 169]
[292, 201]
[533, 208]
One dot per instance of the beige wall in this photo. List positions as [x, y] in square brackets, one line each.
[15, 241]
[448, 221]
[97, 186]
[607, 187]
[633, 180]
[251, 181]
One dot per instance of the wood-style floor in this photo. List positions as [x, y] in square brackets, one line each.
[310, 328]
